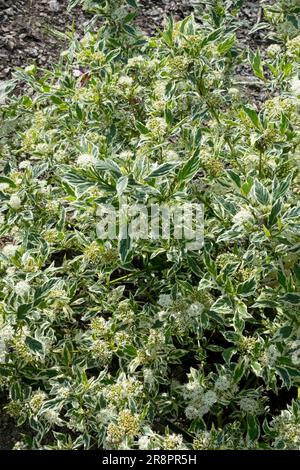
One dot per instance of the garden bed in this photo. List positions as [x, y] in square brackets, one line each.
[241, 295]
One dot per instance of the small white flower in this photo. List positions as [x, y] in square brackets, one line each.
[210, 398]
[22, 288]
[295, 86]
[86, 159]
[6, 333]
[272, 354]
[203, 409]
[296, 352]
[42, 148]
[4, 186]
[9, 250]
[157, 125]
[273, 50]
[191, 412]
[222, 383]
[144, 442]
[148, 376]
[125, 81]
[20, 445]
[126, 155]
[136, 61]
[10, 271]
[165, 300]
[52, 417]
[234, 92]
[77, 73]
[171, 156]
[24, 164]
[242, 217]
[159, 90]
[249, 405]
[15, 202]
[195, 309]
[174, 442]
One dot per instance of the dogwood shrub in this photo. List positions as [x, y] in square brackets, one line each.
[144, 344]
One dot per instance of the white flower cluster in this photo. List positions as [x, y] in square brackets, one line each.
[15, 202]
[157, 126]
[52, 417]
[22, 288]
[195, 309]
[295, 87]
[273, 51]
[200, 402]
[248, 405]
[6, 333]
[174, 442]
[86, 160]
[222, 383]
[125, 81]
[4, 186]
[287, 429]
[242, 217]
[9, 250]
[270, 355]
[24, 164]
[136, 61]
[294, 346]
[144, 442]
[165, 300]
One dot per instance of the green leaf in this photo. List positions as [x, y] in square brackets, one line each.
[266, 231]
[286, 375]
[292, 298]
[125, 246]
[62, 219]
[232, 234]
[132, 3]
[285, 331]
[297, 272]
[122, 185]
[80, 183]
[168, 116]
[189, 169]
[56, 99]
[162, 170]
[212, 37]
[239, 371]
[268, 430]
[247, 288]
[276, 210]
[222, 305]
[235, 177]
[280, 187]
[253, 428]
[142, 128]
[10, 182]
[257, 65]
[79, 112]
[246, 187]
[34, 345]
[109, 165]
[44, 290]
[23, 309]
[253, 116]
[112, 55]
[261, 193]
[226, 45]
